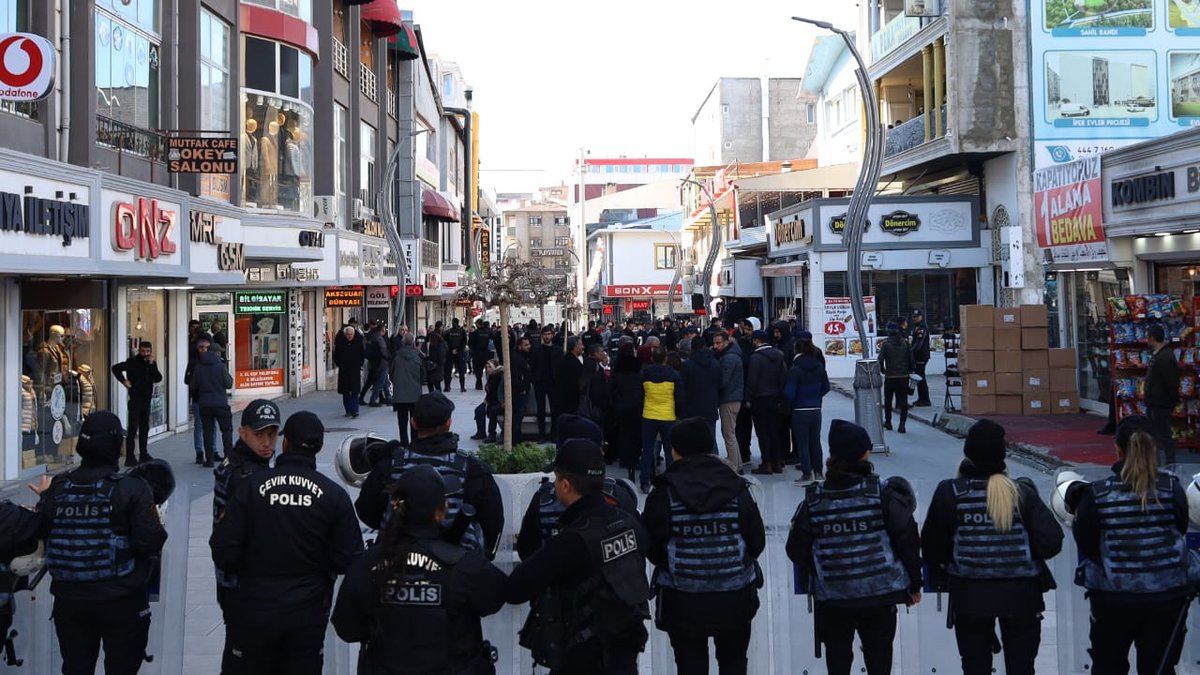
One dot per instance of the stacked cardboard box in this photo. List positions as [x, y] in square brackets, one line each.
[1007, 366]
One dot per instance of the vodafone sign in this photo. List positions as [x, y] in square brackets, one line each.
[26, 67]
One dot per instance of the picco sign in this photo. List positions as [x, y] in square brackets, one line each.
[26, 67]
[144, 228]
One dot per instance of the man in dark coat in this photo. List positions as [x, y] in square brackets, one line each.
[920, 352]
[701, 377]
[569, 379]
[764, 390]
[349, 356]
[1162, 390]
[545, 359]
[896, 364]
[208, 381]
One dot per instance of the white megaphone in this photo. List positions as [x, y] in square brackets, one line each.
[1058, 499]
[1193, 499]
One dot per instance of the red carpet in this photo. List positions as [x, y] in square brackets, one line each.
[1071, 438]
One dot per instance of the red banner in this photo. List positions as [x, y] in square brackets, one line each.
[1067, 204]
[638, 306]
[640, 290]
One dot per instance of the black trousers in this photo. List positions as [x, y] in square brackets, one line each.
[768, 428]
[876, 627]
[1160, 427]
[923, 385]
[895, 388]
[478, 361]
[403, 411]
[742, 427]
[224, 418]
[122, 626]
[274, 644]
[1147, 625]
[691, 652]
[456, 362]
[1020, 638]
[369, 380]
[541, 397]
[139, 427]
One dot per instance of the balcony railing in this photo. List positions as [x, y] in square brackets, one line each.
[909, 135]
[340, 59]
[126, 138]
[20, 109]
[366, 82]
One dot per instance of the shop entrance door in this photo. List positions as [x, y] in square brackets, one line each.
[216, 310]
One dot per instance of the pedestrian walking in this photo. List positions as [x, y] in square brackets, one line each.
[764, 388]
[408, 374]
[1139, 574]
[456, 357]
[986, 540]
[706, 534]
[920, 351]
[208, 381]
[476, 512]
[807, 384]
[102, 533]
[378, 357]
[349, 355]
[1162, 391]
[258, 436]
[627, 402]
[854, 509]
[896, 364]
[435, 367]
[138, 374]
[543, 368]
[195, 334]
[730, 393]
[662, 398]
[588, 584]
[415, 599]
[287, 533]
[745, 419]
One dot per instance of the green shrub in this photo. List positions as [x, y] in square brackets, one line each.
[524, 457]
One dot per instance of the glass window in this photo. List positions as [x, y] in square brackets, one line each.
[664, 256]
[298, 8]
[259, 58]
[366, 161]
[1089, 296]
[214, 92]
[146, 320]
[341, 168]
[141, 13]
[277, 143]
[127, 63]
[14, 18]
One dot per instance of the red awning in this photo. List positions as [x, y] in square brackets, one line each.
[434, 204]
[384, 16]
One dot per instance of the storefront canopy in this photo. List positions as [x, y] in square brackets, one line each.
[384, 17]
[436, 205]
[783, 269]
[404, 43]
[834, 177]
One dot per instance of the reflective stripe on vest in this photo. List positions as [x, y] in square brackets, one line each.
[706, 551]
[83, 545]
[852, 553]
[980, 550]
[452, 467]
[1141, 550]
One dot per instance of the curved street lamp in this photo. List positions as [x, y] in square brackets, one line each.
[387, 194]
[713, 248]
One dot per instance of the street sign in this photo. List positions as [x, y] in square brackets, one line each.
[194, 154]
[351, 296]
[263, 302]
[414, 290]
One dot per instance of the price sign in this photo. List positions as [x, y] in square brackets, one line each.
[835, 328]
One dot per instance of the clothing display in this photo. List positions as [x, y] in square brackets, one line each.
[28, 406]
[87, 390]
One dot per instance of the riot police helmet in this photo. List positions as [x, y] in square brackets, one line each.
[357, 455]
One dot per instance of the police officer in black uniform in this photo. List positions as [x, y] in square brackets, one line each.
[706, 534]
[257, 437]
[987, 539]
[475, 514]
[480, 346]
[286, 533]
[588, 584]
[102, 532]
[456, 355]
[919, 339]
[853, 508]
[1129, 529]
[416, 599]
[19, 528]
[541, 521]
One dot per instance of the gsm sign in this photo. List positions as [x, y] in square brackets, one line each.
[27, 67]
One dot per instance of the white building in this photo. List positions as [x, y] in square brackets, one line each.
[638, 263]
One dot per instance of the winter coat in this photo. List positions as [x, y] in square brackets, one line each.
[349, 357]
[408, 374]
[437, 354]
[520, 368]
[544, 363]
[377, 348]
[768, 374]
[701, 380]
[1162, 380]
[733, 374]
[786, 343]
[568, 384]
[920, 343]
[663, 392]
[895, 358]
[625, 389]
[807, 382]
[207, 380]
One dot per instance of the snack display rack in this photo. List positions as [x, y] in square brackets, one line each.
[954, 381]
[1129, 318]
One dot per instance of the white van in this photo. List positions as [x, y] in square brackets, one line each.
[1074, 110]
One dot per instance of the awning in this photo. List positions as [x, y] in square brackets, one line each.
[384, 17]
[783, 269]
[435, 204]
[404, 43]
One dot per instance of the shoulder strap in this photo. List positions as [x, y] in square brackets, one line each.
[446, 552]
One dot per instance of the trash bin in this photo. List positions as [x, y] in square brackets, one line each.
[868, 383]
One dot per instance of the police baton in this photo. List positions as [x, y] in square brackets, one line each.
[1162, 665]
[816, 628]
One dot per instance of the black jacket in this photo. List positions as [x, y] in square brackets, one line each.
[479, 489]
[990, 597]
[349, 356]
[625, 388]
[134, 515]
[1162, 379]
[895, 358]
[237, 465]
[287, 532]
[920, 343]
[701, 384]
[899, 504]
[544, 363]
[520, 369]
[768, 374]
[141, 375]
[480, 341]
[704, 484]
[569, 382]
[206, 379]
[469, 589]
[456, 339]
[377, 348]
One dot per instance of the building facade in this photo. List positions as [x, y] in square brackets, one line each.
[736, 122]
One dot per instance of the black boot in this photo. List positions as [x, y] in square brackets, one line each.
[129, 460]
[887, 424]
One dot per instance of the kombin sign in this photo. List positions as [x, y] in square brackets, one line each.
[27, 67]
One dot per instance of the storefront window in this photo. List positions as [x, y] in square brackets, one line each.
[214, 92]
[127, 46]
[147, 320]
[298, 8]
[366, 159]
[1181, 280]
[1089, 292]
[65, 376]
[938, 293]
[341, 167]
[260, 358]
[278, 125]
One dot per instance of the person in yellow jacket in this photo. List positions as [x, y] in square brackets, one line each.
[662, 399]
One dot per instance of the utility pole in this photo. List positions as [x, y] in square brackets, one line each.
[580, 231]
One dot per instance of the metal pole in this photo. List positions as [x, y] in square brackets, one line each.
[714, 246]
[391, 230]
[867, 380]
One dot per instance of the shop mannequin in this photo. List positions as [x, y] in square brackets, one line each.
[28, 406]
[268, 166]
[87, 390]
[250, 154]
[295, 169]
[58, 349]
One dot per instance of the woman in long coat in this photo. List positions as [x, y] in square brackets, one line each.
[349, 355]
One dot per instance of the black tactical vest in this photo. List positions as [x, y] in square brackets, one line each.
[707, 551]
[84, 544]
[980, 551]
[550, 509]
[852, 553]
[453, 469]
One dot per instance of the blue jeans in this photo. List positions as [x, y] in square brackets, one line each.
[654, 430]
[380, 384]
[350, 402]
[197, 430]
[806, 434]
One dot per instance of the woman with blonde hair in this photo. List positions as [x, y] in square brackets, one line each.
[1139, 573]
[986, 540]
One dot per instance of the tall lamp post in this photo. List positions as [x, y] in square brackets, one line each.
[867, 380]
[713, 248]
[391, 232]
